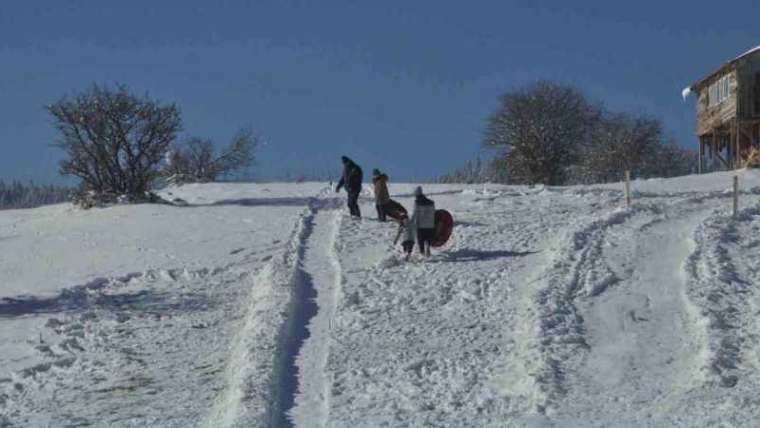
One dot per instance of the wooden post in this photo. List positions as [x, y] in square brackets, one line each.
[628, 188]
[736, 195]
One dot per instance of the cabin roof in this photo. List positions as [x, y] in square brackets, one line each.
[723, 68]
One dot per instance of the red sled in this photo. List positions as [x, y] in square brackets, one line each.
[444, 225]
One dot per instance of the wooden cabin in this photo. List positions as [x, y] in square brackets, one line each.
[728, 110]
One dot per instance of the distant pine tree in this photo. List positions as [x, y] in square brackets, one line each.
[17, 195]
[492, 171]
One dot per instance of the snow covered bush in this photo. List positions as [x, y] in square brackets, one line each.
[114, 141]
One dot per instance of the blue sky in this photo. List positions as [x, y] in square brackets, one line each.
[404, 86]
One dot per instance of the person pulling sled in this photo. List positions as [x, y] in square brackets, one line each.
[386, 207]
[351, 180]
[382, 197]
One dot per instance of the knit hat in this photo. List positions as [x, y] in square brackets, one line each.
[375, 172]
[418, 191]
[345, 159]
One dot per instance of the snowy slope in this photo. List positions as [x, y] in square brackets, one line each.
[266, 305]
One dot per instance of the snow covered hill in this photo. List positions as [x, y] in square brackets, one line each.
[266, 305]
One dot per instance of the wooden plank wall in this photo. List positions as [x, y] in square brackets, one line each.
[709, 118]
[748, 70]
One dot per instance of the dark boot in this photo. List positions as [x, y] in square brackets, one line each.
[380, 213]
[353, 204]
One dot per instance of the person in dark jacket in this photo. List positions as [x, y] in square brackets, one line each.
[382, 197]
[423, 219]
[351, 180]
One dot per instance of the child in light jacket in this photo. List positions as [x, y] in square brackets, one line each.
[410, 233]
[423, 220]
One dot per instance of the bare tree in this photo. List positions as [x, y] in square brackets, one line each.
[114, 141]
[540, 129]
[197, 161]
[672, 160]
[620, 142]
[193, 161]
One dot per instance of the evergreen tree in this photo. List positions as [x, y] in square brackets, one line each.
[17, 195]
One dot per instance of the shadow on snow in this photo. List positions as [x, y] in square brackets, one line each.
[256, 202]
[470, 255]
[86, 297]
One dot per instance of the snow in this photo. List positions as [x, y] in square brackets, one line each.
[71, 246]
[753, 50]
[686, 92]
[267, 305]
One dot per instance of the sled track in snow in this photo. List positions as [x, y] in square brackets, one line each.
[261, 375]
[578, 270]
[645, 335]
[301, 392]
[321, 282]
[301, 309]
[723, 294]
[575, 271]
[252, 371]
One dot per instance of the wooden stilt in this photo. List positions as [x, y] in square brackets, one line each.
[701, 154]
[729, 141]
